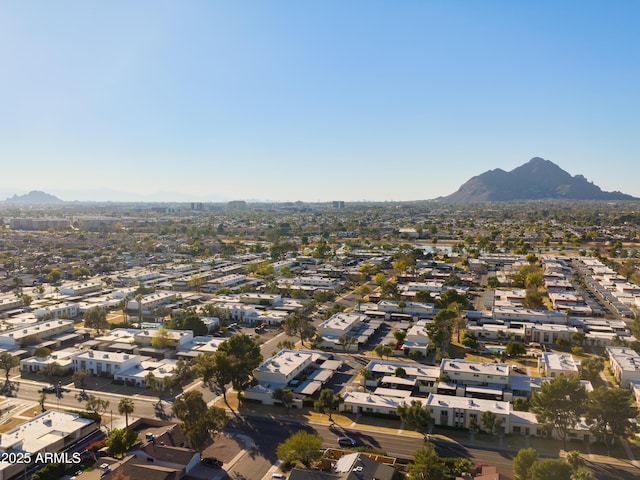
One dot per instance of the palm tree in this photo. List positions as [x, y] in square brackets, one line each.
[366, 374]
[125, 303]
[139, 300]
[125, 407]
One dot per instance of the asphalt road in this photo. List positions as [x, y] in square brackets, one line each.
[144, 407]
[267, 433]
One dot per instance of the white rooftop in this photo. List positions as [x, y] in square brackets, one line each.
[626, 358]
[559, 361]
[476, 404]
[36, 434]
[285, 362]
[457, 365]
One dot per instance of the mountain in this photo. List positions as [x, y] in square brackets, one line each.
[538, 179]
[34, 197]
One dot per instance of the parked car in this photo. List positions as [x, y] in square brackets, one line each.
[212, 462]
[347, 442]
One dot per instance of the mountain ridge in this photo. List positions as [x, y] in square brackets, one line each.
[538, 179]
[34, 197]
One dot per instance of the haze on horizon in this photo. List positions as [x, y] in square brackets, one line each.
[285, 101]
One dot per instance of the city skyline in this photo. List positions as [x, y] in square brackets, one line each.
[283, 101]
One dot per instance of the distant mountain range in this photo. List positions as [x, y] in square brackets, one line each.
[538, 179]
[34, 197]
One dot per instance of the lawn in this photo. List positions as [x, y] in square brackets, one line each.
[10, 424]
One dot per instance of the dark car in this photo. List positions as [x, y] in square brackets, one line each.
[48, 389]
[346, 442]
[212, 462]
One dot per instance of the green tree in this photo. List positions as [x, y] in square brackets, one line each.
[126, 408]
[215, 370]
[97, 405]
[54, 276]
[427, 465]
[581, 474]
[284, 396]
[51, 471]
[154, 384]
[366, 374]
[120, 440]
[550, 469]
[440, 331]
[521, 405]
[379, 279]
[453, 280]
[400, 372]
[383, 350]
[285, 345]
[560, 403]
[299, 325]
[423, 296]
[534, 280]
[453, 296]
[469, 340]
[138, 298]
[184, 369]
[41, 352]
[161, 338]
[188, 319]
[53, 369]
[400, 336]
[591, 368]
[96, 318]
[79, 378]
[574, 458]
[390, 290]
[198, 419]
[523, 462]
[415, 415]
[243, 354]
[301, 447]
[80, 272]
[346, 341]
[7, 362]
[26, 299]
[533, 300]
[515, 349]
[490, 422]
[233, 363]
[609, 412]
[327, 402]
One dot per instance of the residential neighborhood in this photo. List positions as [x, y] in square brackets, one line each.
[173, 342]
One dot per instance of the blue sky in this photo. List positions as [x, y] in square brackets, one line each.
[312, 101]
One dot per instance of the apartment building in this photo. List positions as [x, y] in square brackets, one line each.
[51, 431]
[105, 363]
[553, 365]
[35, 333]
[625, 364]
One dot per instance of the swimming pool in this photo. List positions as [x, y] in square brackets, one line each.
[495, 349]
